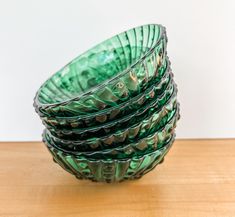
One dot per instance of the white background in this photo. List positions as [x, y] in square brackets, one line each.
[38, 37]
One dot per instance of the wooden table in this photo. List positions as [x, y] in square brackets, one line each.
[196, 179]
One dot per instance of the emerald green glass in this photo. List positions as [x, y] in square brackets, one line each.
[129, 134]
[111, 72]
[103, 129]
[110, 170]
[112, 113]
[151, 142]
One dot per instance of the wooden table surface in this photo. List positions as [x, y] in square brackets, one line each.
[196, 179]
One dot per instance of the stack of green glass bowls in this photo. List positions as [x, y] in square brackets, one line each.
[110, 114]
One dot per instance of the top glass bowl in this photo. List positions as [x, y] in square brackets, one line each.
[111, 72]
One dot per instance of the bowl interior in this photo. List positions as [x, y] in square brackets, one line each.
[105, 61]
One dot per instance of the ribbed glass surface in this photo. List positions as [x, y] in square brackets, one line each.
[117, 124]
[107, 74]
[123, 136]
[110, 170]
[151, 142]
[111, 113]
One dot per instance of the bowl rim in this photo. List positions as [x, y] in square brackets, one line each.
[162, 35]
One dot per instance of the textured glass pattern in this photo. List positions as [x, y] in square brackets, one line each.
[106, 115]
[107, 74]
[122, 136]
[110, 170]
[149, 143]
[116, 124]
[111, 113]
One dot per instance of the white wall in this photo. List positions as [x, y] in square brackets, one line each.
[39, 37]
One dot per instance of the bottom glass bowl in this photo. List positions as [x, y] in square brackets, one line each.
[110, 170]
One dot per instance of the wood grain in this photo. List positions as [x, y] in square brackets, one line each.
[196, 179]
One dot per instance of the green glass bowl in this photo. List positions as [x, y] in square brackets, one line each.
[109, 114]
[129, 134]
[110, 170]
[151, 142]
[111, 72]
[113, 126]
